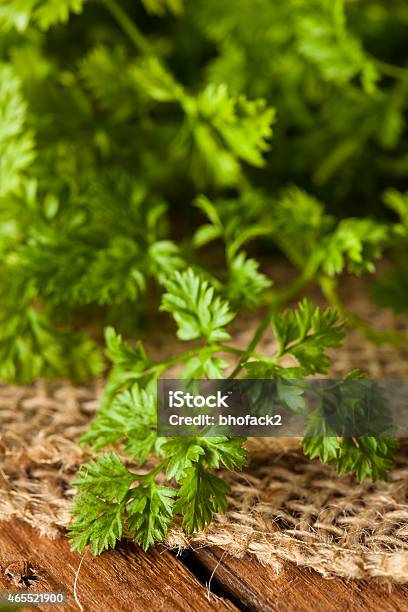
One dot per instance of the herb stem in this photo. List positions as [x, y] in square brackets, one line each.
[259, 332]
[229, 349]
[178, 358]
[396, 72]
[329, 288]
[128, 26]
[278, 299]
[181, 357]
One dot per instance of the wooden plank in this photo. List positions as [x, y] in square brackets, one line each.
[129, 580]
[256, 587]
[125, 580]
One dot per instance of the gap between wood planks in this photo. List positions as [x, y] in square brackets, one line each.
[252, 586]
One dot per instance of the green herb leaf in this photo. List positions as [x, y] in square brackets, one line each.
[195, 308]
[103, 486]
[306, 332]
[149, 513]
[130, 418]
[201, 493]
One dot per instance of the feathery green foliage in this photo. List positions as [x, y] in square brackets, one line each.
[192, 489]
[115, 118]
[392, 289]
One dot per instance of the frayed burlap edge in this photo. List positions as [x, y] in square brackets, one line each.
[291, 509]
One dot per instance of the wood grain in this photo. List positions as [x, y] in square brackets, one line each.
[256, 587]
[125, 580]
[128, 580]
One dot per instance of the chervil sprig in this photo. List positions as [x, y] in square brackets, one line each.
[189, 485]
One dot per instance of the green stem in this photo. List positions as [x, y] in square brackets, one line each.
[277, 300]
[128, 26]
[259, 332]
[150, 476]
[396, 72]
[225, 348]
[283, 296]
[329, 288]
[165, 365]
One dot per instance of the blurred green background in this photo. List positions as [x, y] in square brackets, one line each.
[115, 115]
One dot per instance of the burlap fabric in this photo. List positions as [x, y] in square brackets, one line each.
[282, 507]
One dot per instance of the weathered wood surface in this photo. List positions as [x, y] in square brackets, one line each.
[295, 589]
[121, 581]
[128, 580]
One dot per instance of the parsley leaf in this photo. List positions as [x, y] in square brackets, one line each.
[201, 493]
[305, 333]
[149, 513]
[246, 284]
[97, 523]
[197, 311]
[103, 486]
[45, 13]
[105, 477]
[130, 417]
[16, 142]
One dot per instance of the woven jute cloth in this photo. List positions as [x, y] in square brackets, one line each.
[282, 506]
